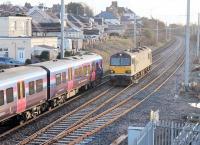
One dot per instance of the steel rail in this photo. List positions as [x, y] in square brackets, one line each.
[53, 109]
[79, 121]
[93, 125]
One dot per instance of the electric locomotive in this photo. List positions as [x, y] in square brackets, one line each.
[130, 65]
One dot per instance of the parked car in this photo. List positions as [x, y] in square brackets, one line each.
[9, 61]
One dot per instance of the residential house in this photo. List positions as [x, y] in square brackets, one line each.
[13, 26]
[21, 48]
[47, 24]
[16, 39]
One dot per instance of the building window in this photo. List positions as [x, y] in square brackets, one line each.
[31, 88]
[1, 98]
[39, 85]
[15, 25]
[58, 79]
[4, 52]
[9, 95]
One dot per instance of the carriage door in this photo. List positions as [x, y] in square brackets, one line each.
[70, 82]
[93, 77]
[21, 103]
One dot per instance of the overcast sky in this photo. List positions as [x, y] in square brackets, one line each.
[167, 10]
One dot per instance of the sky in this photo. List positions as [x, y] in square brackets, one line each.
[169, 11]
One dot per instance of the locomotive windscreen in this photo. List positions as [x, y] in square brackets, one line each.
[120, 60]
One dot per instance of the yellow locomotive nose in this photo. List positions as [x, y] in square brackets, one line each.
[120, 70]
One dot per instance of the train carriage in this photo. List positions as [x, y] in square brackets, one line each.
[128, 66]
[27, 91]
[21, 89]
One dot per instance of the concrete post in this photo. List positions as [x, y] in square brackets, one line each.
[62, 28]
[198, 33]
[157, 32]
[135, 31]
[187, 47]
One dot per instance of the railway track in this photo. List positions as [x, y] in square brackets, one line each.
[41, 136]
[9, 131]
[80, 133]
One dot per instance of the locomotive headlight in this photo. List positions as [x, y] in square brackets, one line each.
[128, 71]
[112, 71]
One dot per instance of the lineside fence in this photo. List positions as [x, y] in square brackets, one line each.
[165, 133]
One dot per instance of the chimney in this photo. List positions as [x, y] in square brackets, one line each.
[114, 4]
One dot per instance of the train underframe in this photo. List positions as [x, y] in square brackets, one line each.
[56, 101]
[124, 80]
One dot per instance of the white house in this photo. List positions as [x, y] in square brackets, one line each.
[16, 39]
[20, 48]
[15, 26]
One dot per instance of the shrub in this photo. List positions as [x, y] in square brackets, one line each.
[28, 61]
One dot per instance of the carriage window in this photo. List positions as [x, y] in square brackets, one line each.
[31, 88]
[80, 72]
[58, 79]
[85, 70]
[9, 95]
[64, 77]
[1, 98]
[88, 69]
[39, 85]
[76, 72]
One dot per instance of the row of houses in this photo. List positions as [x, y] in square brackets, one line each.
[22, 36]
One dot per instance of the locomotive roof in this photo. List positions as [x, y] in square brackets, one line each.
[20, 73]
[133, 52]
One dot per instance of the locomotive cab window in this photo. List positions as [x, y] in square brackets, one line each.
[58, 79]
[120, 60]
[31, 88]
[9, 95]
[1, 98]
[39, 85]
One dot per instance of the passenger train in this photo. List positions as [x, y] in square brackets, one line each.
[128, 66]
[27, 91]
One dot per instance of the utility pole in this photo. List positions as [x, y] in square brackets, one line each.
[187, 47]
[166, 32]
[198, 33]
[170, 33]
[157, 33]
[62, 28]
[77, 11]
[135, 31]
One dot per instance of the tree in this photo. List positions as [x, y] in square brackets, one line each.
[45, 56]
[79, 9]
[27, 5]
[28, 61]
